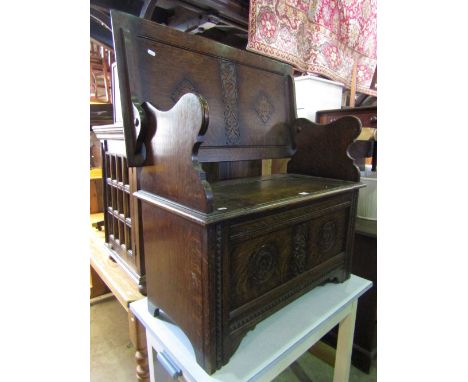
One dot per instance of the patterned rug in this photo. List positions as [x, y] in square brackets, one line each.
[319, 36]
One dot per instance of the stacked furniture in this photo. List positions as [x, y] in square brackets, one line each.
[224, 247]
[365, 246]
[100, 61]
[106, 275]
[121, 215]
[100, 114]
[365, 147]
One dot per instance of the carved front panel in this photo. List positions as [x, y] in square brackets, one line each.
[259, 265]
[328, 237]
[262, 263]
[239, 114]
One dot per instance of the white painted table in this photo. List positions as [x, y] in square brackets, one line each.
[273, 345]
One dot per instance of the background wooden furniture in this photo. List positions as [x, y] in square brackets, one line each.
[121, 217]
[101, 59]
[359, 150]
[225, 249]
[97, 286]
[100, 114]
[266, 351]
[96, 197]
[365, 249]
[124, 289]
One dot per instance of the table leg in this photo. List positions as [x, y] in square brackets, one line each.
[138, 338]
[344, 346]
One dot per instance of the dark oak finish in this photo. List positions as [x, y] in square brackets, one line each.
[176, 154]
[224, 247]
[121, 208]
[359, 150]
[324, 149]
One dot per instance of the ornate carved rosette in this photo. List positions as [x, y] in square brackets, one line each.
[327, 236]
[262, 264]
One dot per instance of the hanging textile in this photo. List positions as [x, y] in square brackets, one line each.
[326, 37]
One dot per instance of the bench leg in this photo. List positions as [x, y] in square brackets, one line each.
[344, 346]
[138, 338]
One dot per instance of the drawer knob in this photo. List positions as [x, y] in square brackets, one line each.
[373, 119]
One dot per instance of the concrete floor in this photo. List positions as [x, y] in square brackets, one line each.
[112, 354]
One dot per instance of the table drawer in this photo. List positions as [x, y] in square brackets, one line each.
[163, 369]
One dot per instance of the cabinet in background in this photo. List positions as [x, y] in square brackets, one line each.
[365, 245]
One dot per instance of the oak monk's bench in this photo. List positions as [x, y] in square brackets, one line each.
[225, 247]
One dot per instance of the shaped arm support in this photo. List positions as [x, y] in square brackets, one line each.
[173, 137]
[322, 150]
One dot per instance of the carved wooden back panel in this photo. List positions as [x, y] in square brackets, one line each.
[250, 98]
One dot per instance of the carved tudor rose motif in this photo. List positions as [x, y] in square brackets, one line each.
[327, 236]
[263, 107]
[183, 87]
[262, 264]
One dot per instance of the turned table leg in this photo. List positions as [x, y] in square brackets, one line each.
[344, 346]
[138, 338]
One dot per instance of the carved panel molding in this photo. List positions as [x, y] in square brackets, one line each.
[327, 236]
[228, 73]
[183, 87]
[299, 253]
[219, 294]
[261, 226]
[249, 317]
[262, 264]
[264, 107]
